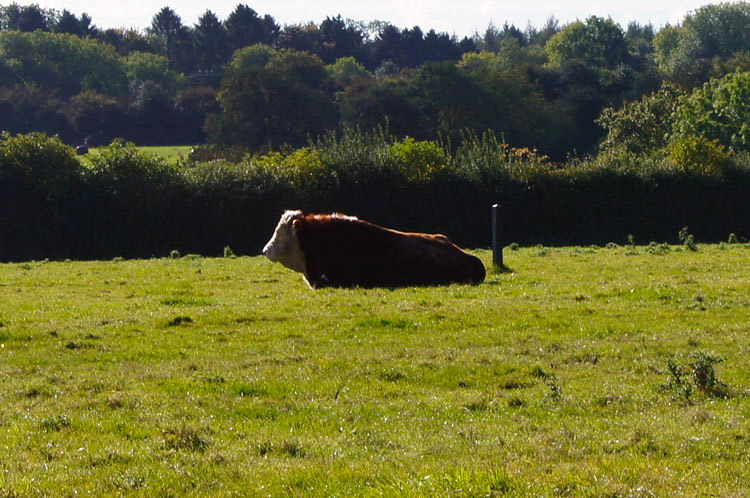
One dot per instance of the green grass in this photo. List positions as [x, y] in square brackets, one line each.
[213, 377]
[173, 153]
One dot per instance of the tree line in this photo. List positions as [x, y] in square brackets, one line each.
[248, 82]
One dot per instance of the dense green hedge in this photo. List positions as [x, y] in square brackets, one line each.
[127, 203]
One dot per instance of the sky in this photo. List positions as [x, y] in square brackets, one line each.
[459, 17]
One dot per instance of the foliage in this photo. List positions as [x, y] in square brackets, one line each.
[200, 207]
[251, 57]
[27, 18]
[211, 46]
[710, 34]
[286, 101]
[687, 239]
[641, 126]
[698, 375]
[302, 170]
[419, 160]
[38, 161]
[721, 29]
[66, 62]
[596, 42]
[689, 153]
[698, 131]
[244, 27]
[120, 169]
[452, 101]
[346, 71]
[95, 118]
[678, 381]
[719, 110]
[538, 88]
[392, 101]
[142, 68]
[30, 107]
[704, 375]
[486, 160]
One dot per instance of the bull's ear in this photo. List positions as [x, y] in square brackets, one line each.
[295, 224]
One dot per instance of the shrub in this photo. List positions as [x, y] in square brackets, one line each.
[698, 374]
[142, 192]
[40, 161]
[356, 152]
[302, 170]
[704, 376]
[678, 382]
[487, 160]
[695, 154]
[687, 239]
[121, 167]
[418, 160]
[656, 248]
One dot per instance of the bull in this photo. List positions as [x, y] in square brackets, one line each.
[336, 250]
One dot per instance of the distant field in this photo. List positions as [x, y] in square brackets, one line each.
[172, 153]
[212, 377]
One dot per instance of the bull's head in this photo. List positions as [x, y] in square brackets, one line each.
[284, 245]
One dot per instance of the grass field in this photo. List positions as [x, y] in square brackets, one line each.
[213, 377]
[172, 153]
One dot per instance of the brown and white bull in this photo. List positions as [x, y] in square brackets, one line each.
[343, 251]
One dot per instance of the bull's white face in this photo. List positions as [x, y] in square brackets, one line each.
[284, 245]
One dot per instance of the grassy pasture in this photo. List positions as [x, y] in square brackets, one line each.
[203, 377]
[172, 153]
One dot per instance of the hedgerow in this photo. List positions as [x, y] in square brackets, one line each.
[128, 203]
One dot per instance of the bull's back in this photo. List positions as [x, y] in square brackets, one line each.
[350, 252]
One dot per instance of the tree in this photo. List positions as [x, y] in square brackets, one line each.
[126, 41]
[340, 39]
[29, 107]
[640, 40]
[368, 104]
[193, 104]
[69, 23]
[598, 42]
[541, 36]
[245, 27]
[442, 47]
[524, 118]
[721, 30]
[255, 56]
[388, 47]
[641, 126]
[211, 46]
[676, 53]
[591, 69]
[284, 102]
[685, 53]
[143, 67]
[452, 101]
[173, 39]
[28, 18]
[719, 110]
[346, 71]
[490, 41]
[67, 63]
[301, 37]
[95, 118]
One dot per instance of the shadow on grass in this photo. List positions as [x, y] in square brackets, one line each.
[497, 270]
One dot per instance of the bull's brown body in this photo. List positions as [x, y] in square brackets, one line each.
[343, 251]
